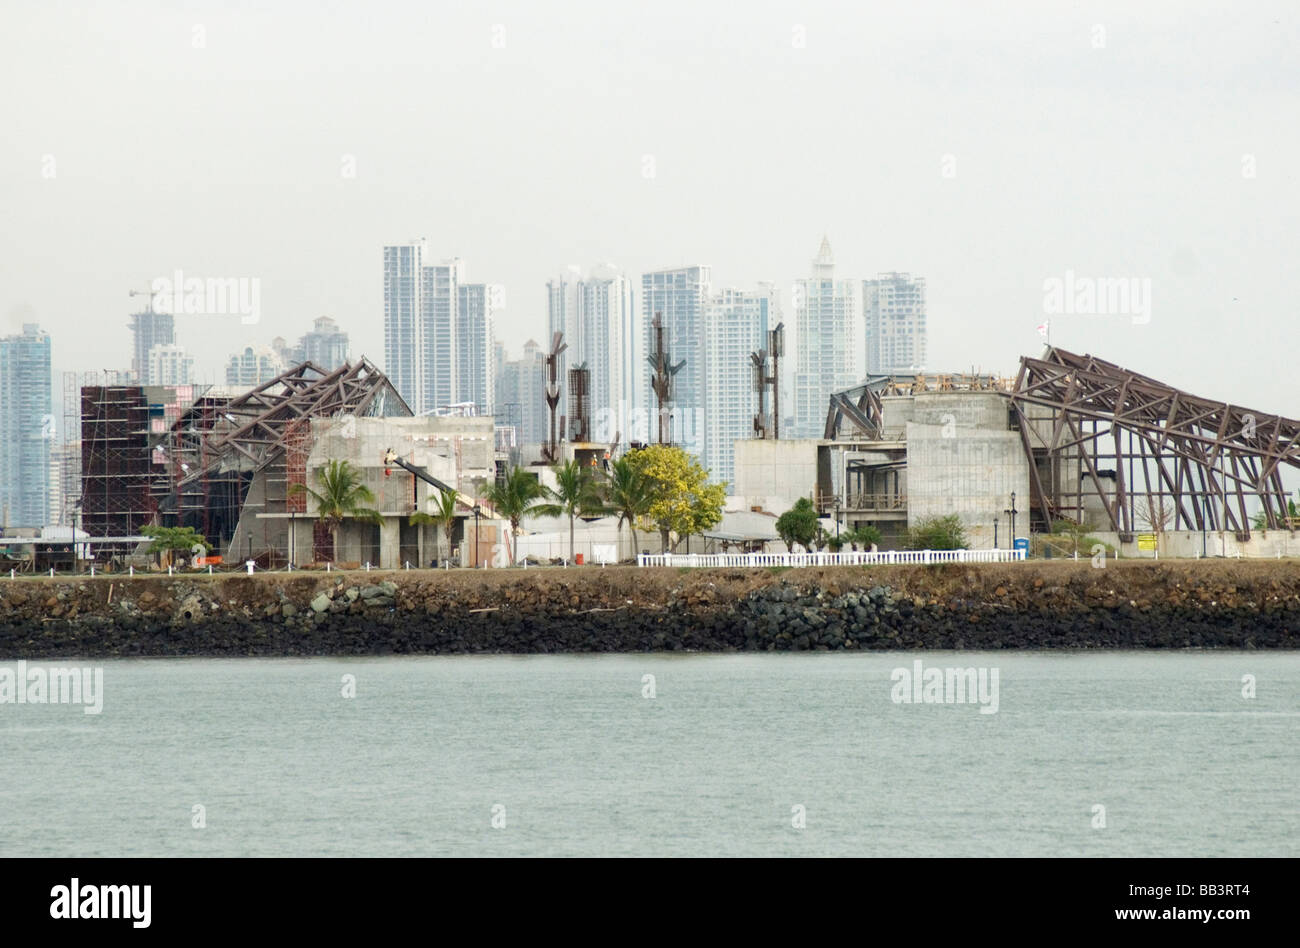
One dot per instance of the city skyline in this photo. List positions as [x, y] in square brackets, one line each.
[1012, 163]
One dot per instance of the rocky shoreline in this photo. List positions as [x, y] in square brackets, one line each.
[1226, 604]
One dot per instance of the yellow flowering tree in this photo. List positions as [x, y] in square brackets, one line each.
[681, 499]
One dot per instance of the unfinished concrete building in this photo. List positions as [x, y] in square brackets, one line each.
[1141, 465]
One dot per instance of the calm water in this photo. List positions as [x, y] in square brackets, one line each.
[583, 764]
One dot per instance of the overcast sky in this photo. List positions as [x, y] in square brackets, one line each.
[1111, 139]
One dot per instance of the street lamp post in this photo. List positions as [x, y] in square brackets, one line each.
[478, 512]
[837, 521]
[1011, 511]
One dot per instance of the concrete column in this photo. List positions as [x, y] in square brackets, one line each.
[390, 543]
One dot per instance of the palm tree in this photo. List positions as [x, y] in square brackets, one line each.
[863, 536]
[340, 497]
[516, 496]
[575, 492]
[627, 494]
[444, 515]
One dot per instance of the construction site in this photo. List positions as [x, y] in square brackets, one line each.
[227, 465]
[1074, 440]
[1143, 467]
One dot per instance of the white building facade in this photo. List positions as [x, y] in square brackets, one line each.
[893, 307]
[439, 331]
[170, 365]
[828, 342]
[736, 323]
[596, 314]
[679, 296]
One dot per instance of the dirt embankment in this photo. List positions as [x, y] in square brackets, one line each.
[1235, 604]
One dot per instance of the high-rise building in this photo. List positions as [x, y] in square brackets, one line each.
[149, 329]
[678, 296]
[563, 316]
[828, 342]
[475, 338]
[610, 345]
[27, 429]
[254, 366]
[403, 323]
[596, 315]
[893, 307]
[521, 395]
[439, 351]
[169, 364]
[423, 351]
[735, 325]
[325, 345]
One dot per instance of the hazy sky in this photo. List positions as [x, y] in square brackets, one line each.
[1112, 139]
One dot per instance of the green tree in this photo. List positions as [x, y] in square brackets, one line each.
[575, 493]
[1260, 521]
[682, 501]
[167, 540]
[1076, 532]
[517, 495]
[798, 525]
[627, 494]
[937, 533]
[443, 516]
[340, 497]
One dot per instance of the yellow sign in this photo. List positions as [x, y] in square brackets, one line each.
[1146, 541]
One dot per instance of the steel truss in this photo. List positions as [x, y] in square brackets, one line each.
[1175, 460]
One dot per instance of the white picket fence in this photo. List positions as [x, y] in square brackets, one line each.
[886, 557]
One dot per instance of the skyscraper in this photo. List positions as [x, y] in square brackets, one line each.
[610, 343]
[596, 315]
[325, 345]
[169, 364]
[438, 346]
[679, 296]
[563, 316]
[521, 394]
[26, 428]
[403, 328]
[893, 305]
[424, 353]
[253, 366]
[149, 329]
[475, 341]
[735, 325]
[828, 342]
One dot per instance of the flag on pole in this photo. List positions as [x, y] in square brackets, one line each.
[1042, 329]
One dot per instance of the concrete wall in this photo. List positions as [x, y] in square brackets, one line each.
[969, 472]
[776, 472]
[1186, 544]
[987, 410]
[457, 451]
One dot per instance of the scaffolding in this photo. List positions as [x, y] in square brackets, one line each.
[580, 404]
[116, 464]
